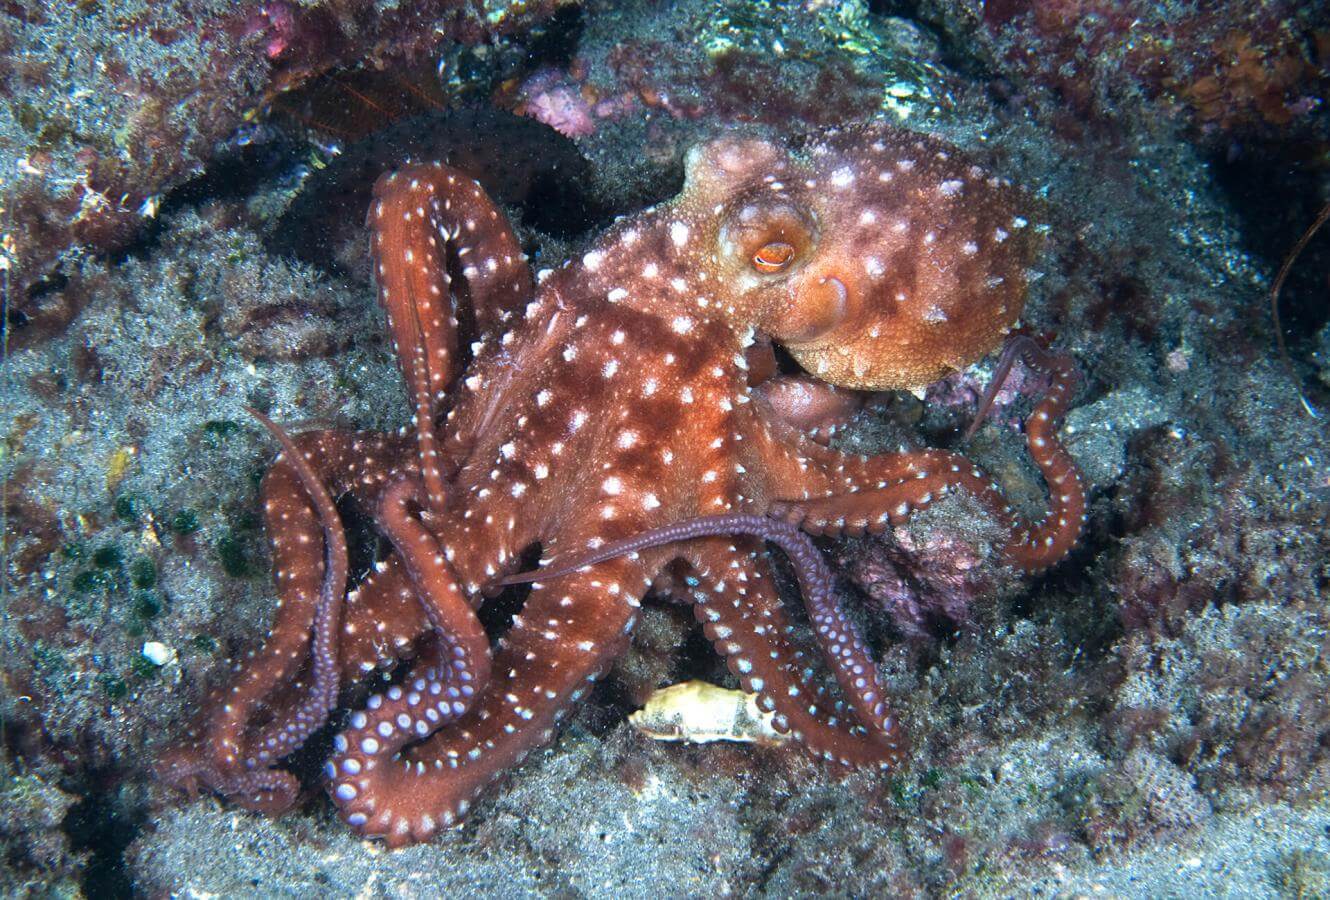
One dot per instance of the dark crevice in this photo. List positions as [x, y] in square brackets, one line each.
[496, 615]
[234, 174]
[103, 827]
[556, 41]
[785, 363]
[956, 51]
[1276, 203]
[524, 166]
[365, 544]
[239, 172]
[900, 9]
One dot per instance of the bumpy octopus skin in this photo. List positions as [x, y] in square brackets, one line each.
[628, 395]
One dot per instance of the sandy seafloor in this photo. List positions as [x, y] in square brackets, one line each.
[1149, 719]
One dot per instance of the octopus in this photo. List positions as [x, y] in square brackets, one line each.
[622, 421]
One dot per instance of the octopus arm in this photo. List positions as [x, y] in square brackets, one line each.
[742, 615]
[382, 621]
[223, 751]
[566, 635]
[436, 586]
[815, 408]
[876, 491]
[410, 594]
[420, 212]
[728, 573]
[795, 467]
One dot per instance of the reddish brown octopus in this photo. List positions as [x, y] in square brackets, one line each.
[623, 414]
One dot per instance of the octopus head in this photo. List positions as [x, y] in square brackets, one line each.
[881, 259]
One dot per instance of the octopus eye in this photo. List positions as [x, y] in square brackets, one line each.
[773, 257]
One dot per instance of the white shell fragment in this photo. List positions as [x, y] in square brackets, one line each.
[699, 713]
[158, 653]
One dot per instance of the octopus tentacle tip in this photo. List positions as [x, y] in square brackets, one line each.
[623, 413]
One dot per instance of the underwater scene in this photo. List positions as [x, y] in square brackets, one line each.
[582, 449]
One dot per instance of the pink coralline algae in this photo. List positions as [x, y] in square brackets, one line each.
[276, 22]
[555, 99]
[927, 577]
[573, 105]
[962, 391]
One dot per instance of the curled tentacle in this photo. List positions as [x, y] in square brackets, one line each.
[418, 212]
[387, 789]
[443, 685]
[282, 737]
[1041, 545]
[887, 490]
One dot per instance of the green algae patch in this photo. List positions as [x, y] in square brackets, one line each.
[220, 429]
[185, 522]
[128, 508]
[143, 572]
[108, 557]
[233, 557]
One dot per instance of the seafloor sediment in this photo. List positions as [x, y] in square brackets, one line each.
[1149, 718]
